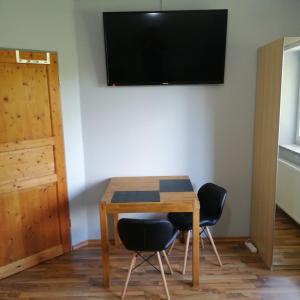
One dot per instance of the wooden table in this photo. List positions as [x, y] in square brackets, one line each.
[169, 202]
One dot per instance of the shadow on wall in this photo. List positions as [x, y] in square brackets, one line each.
[224, 159]
[233, 163]
[205, 144]
[79, 226]
[93, 195]
[90, 27]
[84, 210]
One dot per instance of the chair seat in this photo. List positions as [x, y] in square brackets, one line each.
[184, 221]
[146, 235]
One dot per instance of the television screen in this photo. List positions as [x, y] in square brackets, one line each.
[165, 47]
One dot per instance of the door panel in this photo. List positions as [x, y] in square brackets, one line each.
[34, 217]
[29, 223]
[25, 111]
[26, 164]
[268, 92]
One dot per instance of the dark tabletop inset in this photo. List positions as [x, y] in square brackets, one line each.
[135, 196]
[175, 185]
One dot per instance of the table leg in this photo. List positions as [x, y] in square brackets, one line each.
[117, 241]
[196, 261]
[105, 245]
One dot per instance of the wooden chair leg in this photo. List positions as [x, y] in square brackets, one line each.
[202, 242]
[171, 247]
[167, 261]
[184, 236]
[186, 251]
[163, 275]
[213, 245]
[128, 275]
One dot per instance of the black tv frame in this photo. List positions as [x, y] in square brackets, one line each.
[163, 83]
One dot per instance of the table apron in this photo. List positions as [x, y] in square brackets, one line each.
[153, 207]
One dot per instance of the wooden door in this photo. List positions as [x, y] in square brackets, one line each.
[267, 111]
[34, 217]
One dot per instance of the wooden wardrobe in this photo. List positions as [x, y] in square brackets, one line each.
[34, 216]
[267, 113]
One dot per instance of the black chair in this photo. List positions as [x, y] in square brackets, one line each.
[212, 199]
[147, 236]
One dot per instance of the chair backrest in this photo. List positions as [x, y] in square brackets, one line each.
[145, 235]
[212, 199]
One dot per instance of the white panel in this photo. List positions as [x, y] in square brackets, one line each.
[288, 189]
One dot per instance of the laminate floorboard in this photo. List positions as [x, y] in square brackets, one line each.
[77, 276]
[287, 241]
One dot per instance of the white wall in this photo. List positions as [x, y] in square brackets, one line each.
[288, 189]
[49, 25]
[203, 131]
[289, 97]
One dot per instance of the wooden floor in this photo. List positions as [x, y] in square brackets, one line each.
[77, 276]
[287, 241]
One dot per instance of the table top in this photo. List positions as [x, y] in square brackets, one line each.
[182, 198]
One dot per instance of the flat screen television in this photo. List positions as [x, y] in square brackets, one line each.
[165, 47]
